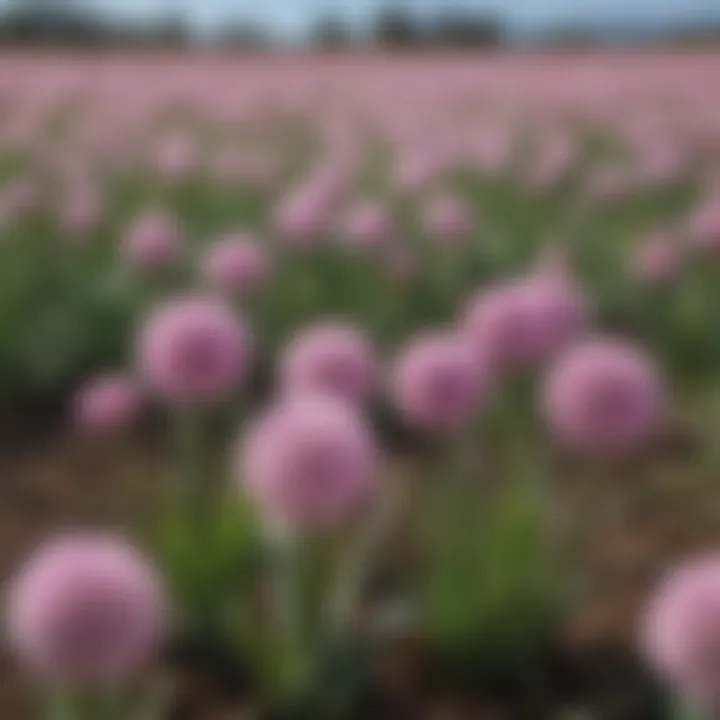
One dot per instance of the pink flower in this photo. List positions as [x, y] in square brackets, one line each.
[603, 396]
[108, 403]
[367, 225]
[705, 225]
[681, 630]
[494, 150]
[436, 383]
[301, 217]
[193, 351]
[82, 213]
[334, 358]
[417, 170]
[153, 242]
[525, 322]
[176, 157]
[86, 608]
[236, 265]
[308, 460]
[447, 217]
[657, 259]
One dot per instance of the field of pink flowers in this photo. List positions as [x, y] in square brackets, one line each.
[350, 387]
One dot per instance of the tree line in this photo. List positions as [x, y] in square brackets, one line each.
[47, 22]
[61, 22]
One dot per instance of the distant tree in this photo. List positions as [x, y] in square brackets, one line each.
[50, 21]
[244, 37]
[394, 27]
[171, 31]
[571, 38]
[455, 29]
[330, 33]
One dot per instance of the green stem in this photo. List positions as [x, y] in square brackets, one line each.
[684, 709]
[154, 706]
[451, 525]
[347, 597]
[294, 615]
[194, 490]
[109, 703]
[60, 704]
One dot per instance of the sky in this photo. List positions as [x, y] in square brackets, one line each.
[289, 18]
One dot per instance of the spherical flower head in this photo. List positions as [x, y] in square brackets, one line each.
[82, 214]
[308, 461]
[176, 157]
[526, 322]
[193, 351]
[416, 170]
[603, 396]
[86, 608]
[705, 226]
[331, 180]
[330, 357]
[662, 163]
[447, 217]
[367, 225]
[153, 242]
[236, 265]
[436, 384]
[494, 150]
[681, 630]
[301, 217]
[657, 259]
[109, 403]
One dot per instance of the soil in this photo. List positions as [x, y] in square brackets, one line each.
[51, 480]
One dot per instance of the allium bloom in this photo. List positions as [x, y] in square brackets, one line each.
[416, 170]
[662, 163]
[603, 396]
[176, 157]
[447, 217]
[308, 460]
[525, 322]
[657, 259]
[494, 150]
[86, 608]
[301, 217]
[334, 358]
[681, 632]
[108, 403]
[236, 265]
[82, 213]
[705, 225]
[153, 242]
[436, 384]
[367, 224]
[193, 350]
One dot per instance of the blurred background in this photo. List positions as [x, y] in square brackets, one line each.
[416, 24]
